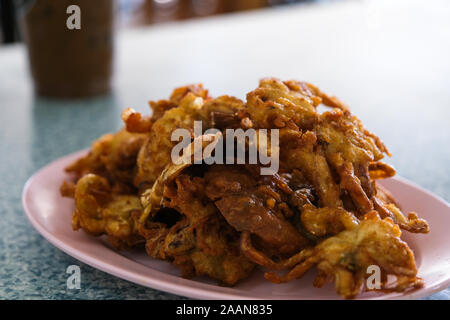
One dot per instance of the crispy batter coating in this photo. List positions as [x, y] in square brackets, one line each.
[323, 208]
[113, 156]
[346, 257]
[98, 211]
[154, 156]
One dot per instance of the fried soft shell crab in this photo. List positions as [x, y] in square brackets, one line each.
[323, 208]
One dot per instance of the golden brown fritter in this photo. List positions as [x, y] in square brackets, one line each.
[106, 202]
[346, 257]
[190, 232]
[322, 208]
[99, 211]
[113, 156]
[154, 156]
[255, 204]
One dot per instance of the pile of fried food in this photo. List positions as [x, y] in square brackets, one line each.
[323, 208]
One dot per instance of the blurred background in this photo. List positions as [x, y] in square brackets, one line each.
[135, 13]
[88, 54]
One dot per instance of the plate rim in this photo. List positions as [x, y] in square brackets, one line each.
[189, 290]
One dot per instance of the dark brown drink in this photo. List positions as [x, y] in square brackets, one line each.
[70, 63]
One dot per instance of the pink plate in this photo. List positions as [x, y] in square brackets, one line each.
[50, 214]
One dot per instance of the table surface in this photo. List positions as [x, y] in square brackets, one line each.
[389, 60]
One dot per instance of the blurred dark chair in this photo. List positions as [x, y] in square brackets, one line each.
[157, 11]
[9, 29]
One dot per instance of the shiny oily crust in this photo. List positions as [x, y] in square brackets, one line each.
[323, 209]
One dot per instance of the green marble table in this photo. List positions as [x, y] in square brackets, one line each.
[388, 60]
